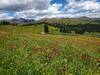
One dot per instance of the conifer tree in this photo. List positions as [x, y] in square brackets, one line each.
[46, 29]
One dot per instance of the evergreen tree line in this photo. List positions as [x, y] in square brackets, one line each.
[4, 22]
[78, 29]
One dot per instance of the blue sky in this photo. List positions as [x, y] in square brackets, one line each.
[59, 2]
[39, 9]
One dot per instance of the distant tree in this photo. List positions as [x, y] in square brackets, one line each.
[4, 22]
[61, 29]
[64, 30]
[79, 30]
[46, 28]
[69, 28]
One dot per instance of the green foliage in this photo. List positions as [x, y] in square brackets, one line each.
[4, 22]
[46, 29]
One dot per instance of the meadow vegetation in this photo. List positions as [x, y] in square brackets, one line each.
[25, 51]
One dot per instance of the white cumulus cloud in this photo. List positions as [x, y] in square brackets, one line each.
[18, 5]
[89, 8]
[52, 11]
[38, 9]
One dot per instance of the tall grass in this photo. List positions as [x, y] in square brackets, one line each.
[22, 53]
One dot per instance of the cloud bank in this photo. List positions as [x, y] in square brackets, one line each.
[38, 9]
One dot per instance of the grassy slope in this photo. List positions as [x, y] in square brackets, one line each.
[72, 21]
[25, 51]
[22, 29]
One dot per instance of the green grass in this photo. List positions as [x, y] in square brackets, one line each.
[25, 51]
[22, 29]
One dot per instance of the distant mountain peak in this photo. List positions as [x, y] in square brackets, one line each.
[22, 20]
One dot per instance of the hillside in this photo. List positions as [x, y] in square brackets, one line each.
[73, 21]
[24, 50]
